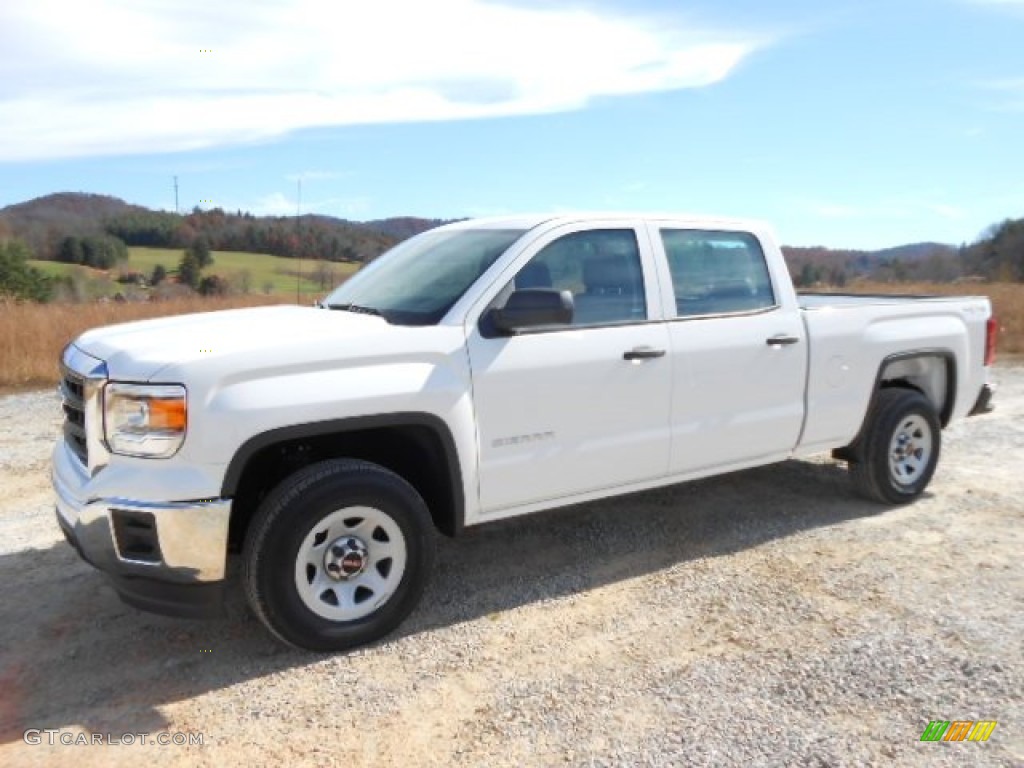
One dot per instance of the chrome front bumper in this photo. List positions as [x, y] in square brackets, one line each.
[167, 557]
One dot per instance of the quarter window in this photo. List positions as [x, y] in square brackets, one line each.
[717, 272]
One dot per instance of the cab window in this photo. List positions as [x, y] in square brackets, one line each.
[600, 267]
[717, 272]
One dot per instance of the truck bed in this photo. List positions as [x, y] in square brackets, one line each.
[852, 336]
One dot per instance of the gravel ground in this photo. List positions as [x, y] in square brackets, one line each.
[764, 618]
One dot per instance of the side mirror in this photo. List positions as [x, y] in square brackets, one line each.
[532, 308]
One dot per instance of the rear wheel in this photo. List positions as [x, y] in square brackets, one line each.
[899, 449]
[338, 555]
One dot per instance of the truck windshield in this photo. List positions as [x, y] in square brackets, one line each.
[418, 281]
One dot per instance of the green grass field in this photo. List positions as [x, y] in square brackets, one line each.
[57, 269]
[264, 271]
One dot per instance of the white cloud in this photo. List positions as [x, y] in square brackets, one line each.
[279, 204]
[275, 204]
[127, 76]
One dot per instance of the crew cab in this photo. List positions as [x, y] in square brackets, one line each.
[478, 371]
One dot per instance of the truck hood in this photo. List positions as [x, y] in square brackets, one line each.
[139, 351]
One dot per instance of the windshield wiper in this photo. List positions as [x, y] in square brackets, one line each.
[358, 309]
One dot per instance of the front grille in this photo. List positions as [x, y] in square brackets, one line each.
[72, 390]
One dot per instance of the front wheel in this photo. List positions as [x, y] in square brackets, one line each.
[338, 555]
[899, 448]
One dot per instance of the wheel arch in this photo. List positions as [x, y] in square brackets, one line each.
[932, 372]
[417, 446]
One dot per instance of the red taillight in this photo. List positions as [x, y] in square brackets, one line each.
[991, 329]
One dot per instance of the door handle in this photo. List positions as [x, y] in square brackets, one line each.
[781, 340]
[643, 353]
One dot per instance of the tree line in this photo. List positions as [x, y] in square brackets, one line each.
[303, 237]
[996, 256]
[96, 251]
[999, 255]
[18, 280]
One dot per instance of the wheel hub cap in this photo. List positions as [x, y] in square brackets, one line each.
[910, 450]
[345, 558]
[350, 563]
[905, 447]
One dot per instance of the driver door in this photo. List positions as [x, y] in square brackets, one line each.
[563, 411]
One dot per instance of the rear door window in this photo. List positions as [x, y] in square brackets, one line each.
[716, 273]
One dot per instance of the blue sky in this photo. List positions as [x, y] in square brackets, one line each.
[856, 124]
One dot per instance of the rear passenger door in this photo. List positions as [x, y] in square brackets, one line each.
[570, 409]
[739, 350]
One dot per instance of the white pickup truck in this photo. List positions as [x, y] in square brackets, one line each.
[482, 370]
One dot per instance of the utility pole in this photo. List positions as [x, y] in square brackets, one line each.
[298, 238]
[176, 209]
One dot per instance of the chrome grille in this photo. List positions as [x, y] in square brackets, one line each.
[72, 390]
[82, 377]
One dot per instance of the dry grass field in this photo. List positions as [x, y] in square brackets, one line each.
[32, 335]
[1007, 302]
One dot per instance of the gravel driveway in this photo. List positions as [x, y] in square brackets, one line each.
[767, 617]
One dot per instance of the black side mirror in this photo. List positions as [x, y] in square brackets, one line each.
[532, 308]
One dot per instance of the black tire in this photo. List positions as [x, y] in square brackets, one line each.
[304, 515]
[887, 469]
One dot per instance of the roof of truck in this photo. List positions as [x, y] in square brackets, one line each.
[531, 220]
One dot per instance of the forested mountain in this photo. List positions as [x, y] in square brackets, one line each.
[308, 236]
[44, 224]
[98, 221]
[999, 255]
[836, 266]
[404, 227]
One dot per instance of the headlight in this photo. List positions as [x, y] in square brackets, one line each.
[144, 419]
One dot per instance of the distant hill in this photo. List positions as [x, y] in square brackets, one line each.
[403, 227]
[837, 266]
[915, 251]
[45, 221]
[68, 207]
[999, 255]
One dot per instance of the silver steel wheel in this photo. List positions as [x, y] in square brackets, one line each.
[350, 563]
[910, 449]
